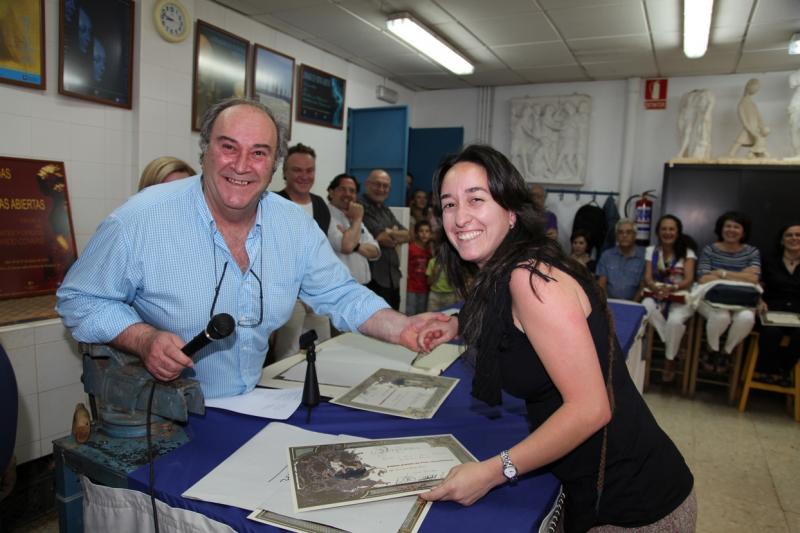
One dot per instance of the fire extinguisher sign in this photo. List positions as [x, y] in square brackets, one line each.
[655, 93]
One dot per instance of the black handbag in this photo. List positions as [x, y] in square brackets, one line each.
[741, 295]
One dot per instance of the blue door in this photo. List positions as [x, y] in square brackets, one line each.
[377, 137]
[426, 149]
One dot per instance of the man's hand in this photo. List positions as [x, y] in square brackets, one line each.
[163, 356]
[426, 331]
[355, 212]
[160, 351]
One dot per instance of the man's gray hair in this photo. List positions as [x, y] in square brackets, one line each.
[211, 114]
[622, 222]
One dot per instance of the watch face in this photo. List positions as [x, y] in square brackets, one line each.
[172, 20]
[510, 472]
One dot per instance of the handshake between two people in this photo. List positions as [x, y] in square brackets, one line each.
[163, 355]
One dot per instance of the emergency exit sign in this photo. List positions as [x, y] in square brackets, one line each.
[655, 93]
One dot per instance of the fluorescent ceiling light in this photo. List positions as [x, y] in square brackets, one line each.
[696, 27]
[794, 44]
[414, 33]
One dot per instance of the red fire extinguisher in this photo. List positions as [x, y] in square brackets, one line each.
[642, 215]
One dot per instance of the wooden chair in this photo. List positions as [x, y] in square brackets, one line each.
[736, 363]
[792, 392]
[685, 353]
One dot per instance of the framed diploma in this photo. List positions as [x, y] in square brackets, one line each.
[398, 393]
[320, 98]
[37, 243]
[22, 50]
[334, 475]
[220, 68]
[273, 83]
[96, 51]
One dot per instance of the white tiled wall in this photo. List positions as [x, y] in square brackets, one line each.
[47, 366]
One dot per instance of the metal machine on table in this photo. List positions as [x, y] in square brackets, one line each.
[120, 389]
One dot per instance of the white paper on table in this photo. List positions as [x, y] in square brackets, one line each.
[349, 359]
[243, 479]
[256, 477]
[277, 404]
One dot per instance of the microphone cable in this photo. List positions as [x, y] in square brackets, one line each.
[150, 454]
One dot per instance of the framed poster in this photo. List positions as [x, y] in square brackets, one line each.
[37, 242]
[220, 68]
[273, 83]
[320, 98]
[22, 43]
[95, 59]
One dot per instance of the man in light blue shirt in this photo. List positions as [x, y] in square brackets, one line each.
[621, 268]
[174, 255]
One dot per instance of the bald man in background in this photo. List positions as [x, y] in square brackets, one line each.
[381, 222]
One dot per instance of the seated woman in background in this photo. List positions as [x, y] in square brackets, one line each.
[542, 332]
[781, 279]
[669, 268]
[730, 258]
[164, 169]
[580, 247]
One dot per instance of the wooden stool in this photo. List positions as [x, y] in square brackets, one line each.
[736, 363]
[792, 393]
[687, 346]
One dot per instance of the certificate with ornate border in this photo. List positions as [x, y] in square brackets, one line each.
[335, 475]
[398, 393]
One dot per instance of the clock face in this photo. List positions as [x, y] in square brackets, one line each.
[171, 21]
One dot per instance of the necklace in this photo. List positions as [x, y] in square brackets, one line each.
[790, 262]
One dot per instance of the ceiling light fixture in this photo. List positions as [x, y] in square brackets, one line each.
[414, 33]
[794, 44]
[696, 27]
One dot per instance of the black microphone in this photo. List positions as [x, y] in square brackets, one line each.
[219, 327]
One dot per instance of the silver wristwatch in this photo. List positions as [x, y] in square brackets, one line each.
[509, 470]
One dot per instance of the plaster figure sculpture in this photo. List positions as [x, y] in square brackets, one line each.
[794, 113]
[754, 132]
[694, 124]
[549, 137]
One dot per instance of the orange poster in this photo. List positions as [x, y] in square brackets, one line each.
[37, 243]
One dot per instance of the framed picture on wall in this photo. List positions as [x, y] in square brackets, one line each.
[220, 68]
[96, 50]
[273, 83]
[320, 98]
[38, 243]
[22, 49]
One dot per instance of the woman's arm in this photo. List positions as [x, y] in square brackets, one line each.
[648, 276]
[688, 274]
[555, 324]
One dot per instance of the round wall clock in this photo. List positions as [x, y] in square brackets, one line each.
[172, 20]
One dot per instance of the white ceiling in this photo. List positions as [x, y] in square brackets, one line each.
[533, 41]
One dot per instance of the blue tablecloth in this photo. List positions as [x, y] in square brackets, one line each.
[483, 430]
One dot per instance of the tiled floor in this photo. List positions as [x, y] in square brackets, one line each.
[746, 465]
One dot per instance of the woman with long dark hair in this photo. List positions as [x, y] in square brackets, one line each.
[542, 332]
[669, 268]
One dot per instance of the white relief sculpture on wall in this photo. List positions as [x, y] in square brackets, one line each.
[754, 132]
[794, 114]
[694, 125]
[550, 137]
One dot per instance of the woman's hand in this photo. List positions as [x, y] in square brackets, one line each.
[467, 483]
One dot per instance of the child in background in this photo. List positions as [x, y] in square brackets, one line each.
[580, 249]
[442, 293]
[419, 252]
